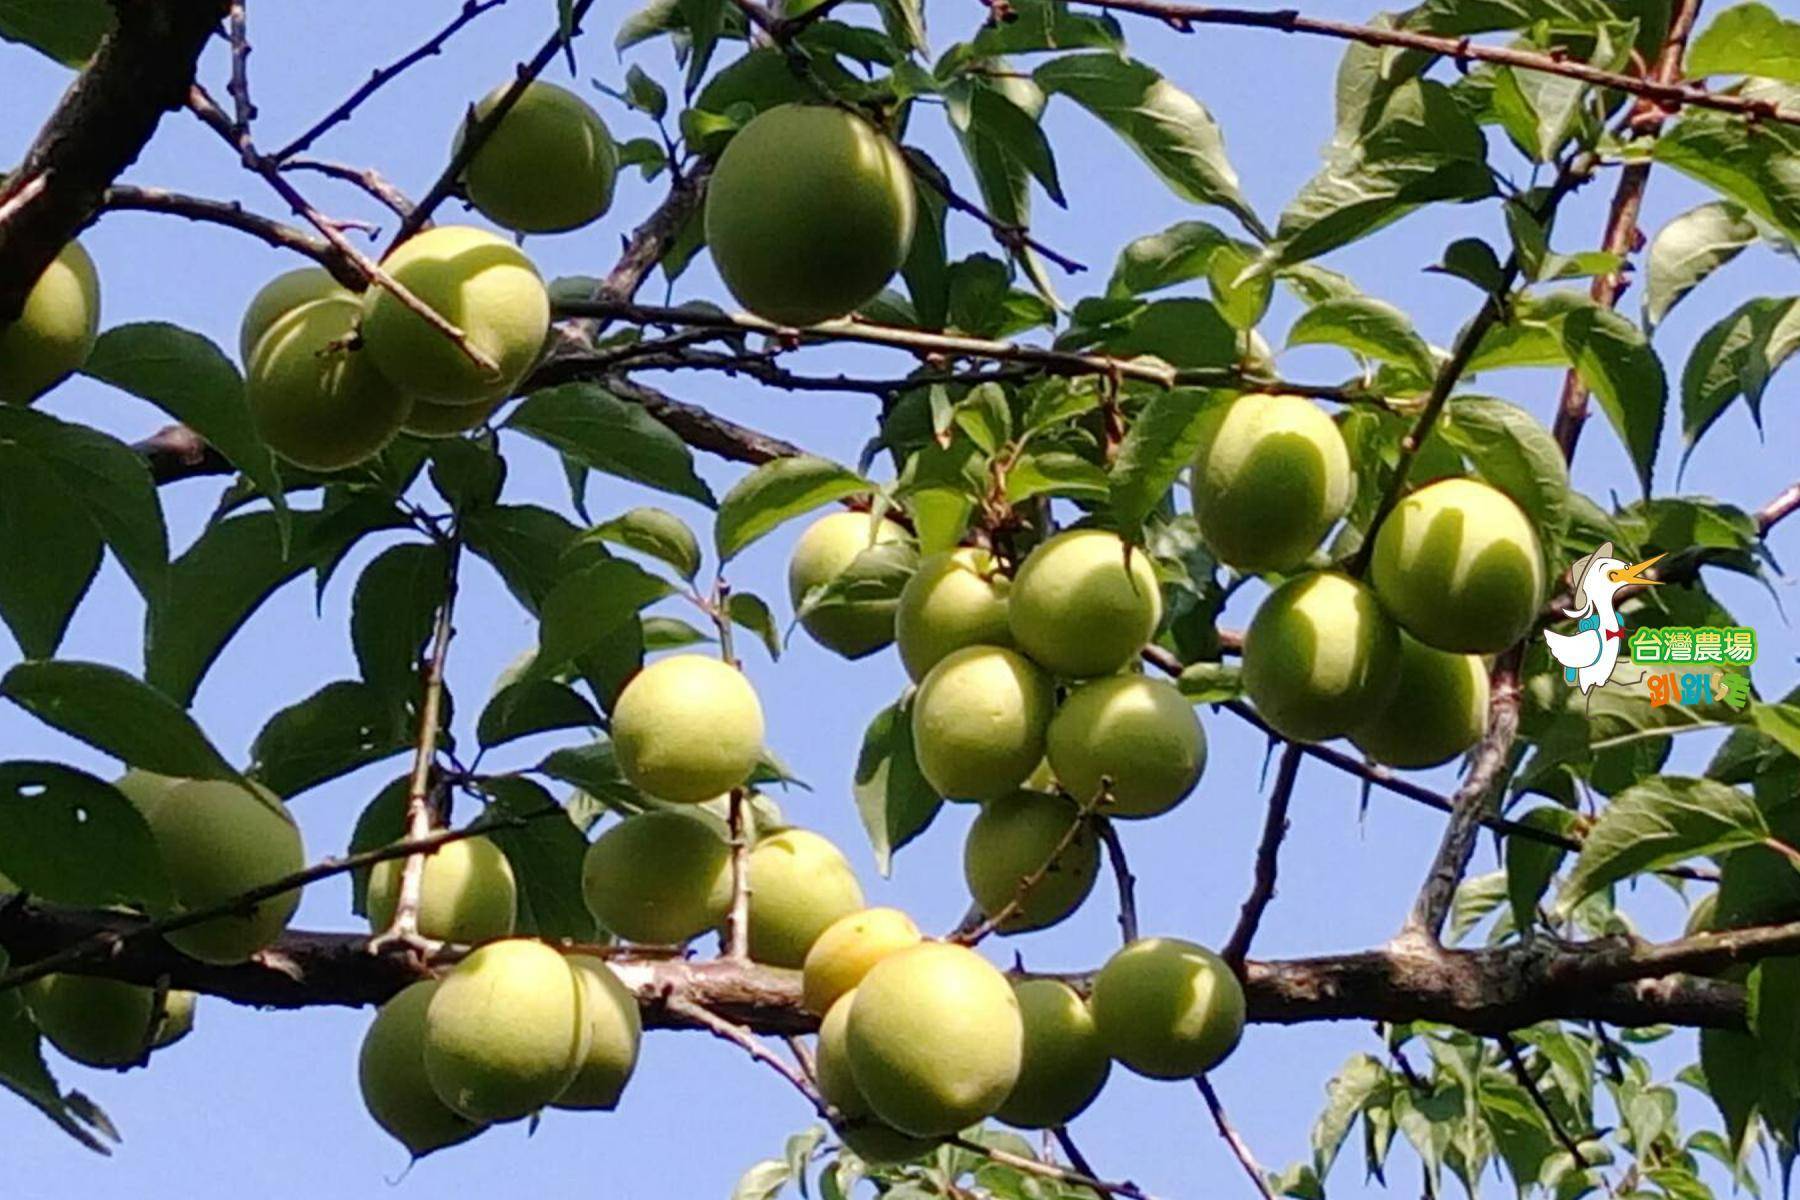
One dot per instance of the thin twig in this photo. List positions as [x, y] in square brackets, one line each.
[1015, 238]
[207, 109]
[404, 928]
[380, 77]
[1077, 1159]
[476, 131]
[1032, 1166]
[244, 110]
[1240, 1149]
[753, 1045]
[368, 179]
[1268, 851]
[1673, 96]
[1115, 855]
[1028, 883]
[109, 943]
[1510, 1049]
[233, 215]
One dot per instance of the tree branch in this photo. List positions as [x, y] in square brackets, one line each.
[1115, 855]
[1268, 851]
[142, 69]
[368, 179]
[969, 935]
[1240, 1149]
[1670, 96]
[233, 215]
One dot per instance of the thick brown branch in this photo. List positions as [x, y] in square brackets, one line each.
[142, 69]
[1672, 96]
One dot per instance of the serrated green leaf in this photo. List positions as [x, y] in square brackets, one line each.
[895, 802]
[1161, 442]
[653, 531]
[777, 492]
[70, 838]
[1658, 823]
[1747, 162]
[1365, 326]
[392, 613]
[1210, 682]
[1055, 473]
[1614, 359]
[1019, 133]
[468, 472]
[1181, 252]
[344, 725]
[599, 430]
[1170, 130]
[1747, 39]
[116, 713]
[49, 553]
[190, 379]
[22, 1070]
[1688, 249]
[595, 770]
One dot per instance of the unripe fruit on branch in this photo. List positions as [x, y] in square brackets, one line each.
[935, 1039]
[1064, 1065]
[505, 1033]
[799, 884]
[391, 1071]
[1319, 656]
[824, 552]
[55, 331]
[1458, 564]
[956, 598]
[615, 1028]
[218, 840]
[318, 402]
[873, 1141]
[1084, 603]
[1439, 709]
[687, 728]
[1271, 477]
[467, 894]
[1167, 1008]
[1142, 734]
[98, 1022]
[978, 722]
[281, 296]
[658, 877]
[848, 948]
[480, 283]
[176, 1020]
[548, 166]
[1013, 837]
[809, 212]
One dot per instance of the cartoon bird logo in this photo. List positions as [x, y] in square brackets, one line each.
[1590, 653]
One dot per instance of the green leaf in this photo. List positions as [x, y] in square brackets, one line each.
[74, 839]
[1018, 133]
[1510, 450]
[532, 706]
[468, 472]
[764, 1180]
[874, 577]
[1751, 163]
[1183, 251]
[49, 552]
[228, 572]
[1531, 865]
[1614, 359]
[392, 613]
[1733, 1065]
[191, 380]
[115, 713]
[1540, 111]
[653, 531]
[776, 492]
[1357, 1081]
[599, 430]
[595, 770]
[1003, 179]
[342, 726]
[1473, 260]
[1747, 39]
[65, 31]
[893, 798]
[1658, 823]
[525, 544]
[1365, 326]
[22, 1072]
[1168, 128]
[589, 605]
[546, 854]
[1423, 148]
[1184, 332]
[1736, 357]
[1161, 442]
[752, 612]
[1690, 248]
[1055, 473]
[110, 482]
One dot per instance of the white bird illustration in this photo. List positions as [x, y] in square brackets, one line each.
[1589, 655]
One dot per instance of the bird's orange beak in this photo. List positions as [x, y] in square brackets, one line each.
[1635, 573]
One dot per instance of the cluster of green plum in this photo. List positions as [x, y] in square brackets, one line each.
[331, 377]
[55, 331]
[1395, 663]
[919, 1039]
[1025, 702]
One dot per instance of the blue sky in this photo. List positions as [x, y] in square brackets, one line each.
[266, 1104]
